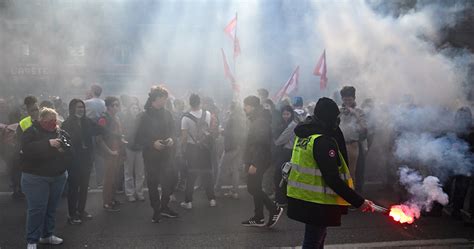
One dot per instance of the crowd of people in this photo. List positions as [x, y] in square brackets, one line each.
[171, 143]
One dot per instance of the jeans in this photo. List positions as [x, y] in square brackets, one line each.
[314, 237]
[42, 195]
[134, 173]
[260, 198]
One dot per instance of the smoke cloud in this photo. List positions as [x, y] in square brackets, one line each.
[423, 191]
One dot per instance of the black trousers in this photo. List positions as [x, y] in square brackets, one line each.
[314, 237]
[78, 184]
[260, 198]
[206, 181]
[159, 173]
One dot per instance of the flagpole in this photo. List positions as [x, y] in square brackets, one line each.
[235, 61]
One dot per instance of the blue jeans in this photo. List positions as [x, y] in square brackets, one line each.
[314, 237]
[42, 195]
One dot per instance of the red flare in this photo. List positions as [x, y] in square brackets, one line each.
[402, 214]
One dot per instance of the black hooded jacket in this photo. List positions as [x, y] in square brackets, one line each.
[318, 214]
[154, 124]
[82, 130]
[259, 139]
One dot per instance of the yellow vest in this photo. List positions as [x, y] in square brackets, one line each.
[26, 123]
[305, 181]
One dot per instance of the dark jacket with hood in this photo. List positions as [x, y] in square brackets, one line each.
[38, 157]
[155, 124]
[318, 214]
[82, 130]
[259, 139]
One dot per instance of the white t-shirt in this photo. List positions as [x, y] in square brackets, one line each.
[189, 125]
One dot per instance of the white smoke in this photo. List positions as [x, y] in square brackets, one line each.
[423, 191]
[442, 155]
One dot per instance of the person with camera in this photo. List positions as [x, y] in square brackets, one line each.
[354, 127]
[155, 135]
[82, 130]
[44, 160]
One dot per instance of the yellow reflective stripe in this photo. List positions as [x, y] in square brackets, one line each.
[315, 197]
[313, 188]
[315, 171]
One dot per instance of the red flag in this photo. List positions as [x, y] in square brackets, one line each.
[321, 70]
[290, 86]
[231, 31]
[228, 73]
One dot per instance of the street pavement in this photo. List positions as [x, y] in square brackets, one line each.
[219, 227]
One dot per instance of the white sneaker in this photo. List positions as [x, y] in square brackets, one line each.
[187, 205]
[53, 240]
[212, 203]
[141, 198]
[31, 246]
[131, 198]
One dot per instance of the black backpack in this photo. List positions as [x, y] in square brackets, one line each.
[203, 137]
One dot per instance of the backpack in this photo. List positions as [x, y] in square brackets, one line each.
[203, 137]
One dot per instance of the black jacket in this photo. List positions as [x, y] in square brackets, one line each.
[82, 132]
[38, 157]
[259, 139]
[154, 125]
[318, 214]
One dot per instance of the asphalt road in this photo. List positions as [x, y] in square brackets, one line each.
[219, 227]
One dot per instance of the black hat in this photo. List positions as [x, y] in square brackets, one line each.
[326, 110]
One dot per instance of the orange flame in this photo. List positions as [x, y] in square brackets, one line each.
[402, 214]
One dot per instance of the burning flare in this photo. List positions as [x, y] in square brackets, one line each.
[403, 213]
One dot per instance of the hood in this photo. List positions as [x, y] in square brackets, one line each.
[310, 127]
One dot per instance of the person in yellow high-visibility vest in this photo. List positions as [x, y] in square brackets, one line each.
[320, 187]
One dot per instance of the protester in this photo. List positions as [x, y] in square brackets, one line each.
[9, 147]
[44, 161]
[284, 145]
[353, 126]
[257, 159]
[112, 150]
[231, 160]
[32, 109]
[317, 196]
[155, 134]
[300, 112]
[197, 145]
[82, 130]
[134, 173]
[95, 107]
